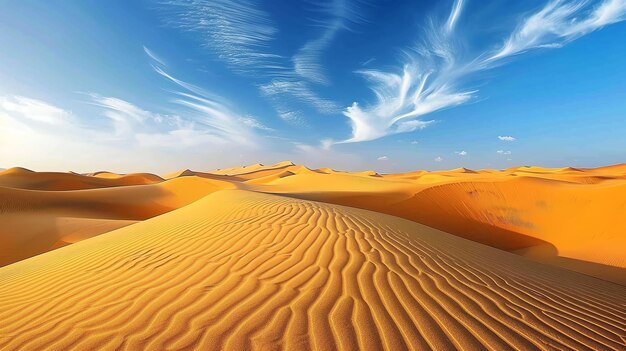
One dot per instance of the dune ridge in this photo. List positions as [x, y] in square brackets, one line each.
[242, 270]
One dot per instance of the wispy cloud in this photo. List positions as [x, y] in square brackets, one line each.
[125, 116]
[212, 113]
[560, 22]
[253, 123]
[34, 129]
[506, 138]
[400, 99]
[426, 84]
[434, 71]
[461, 153]
[216, 120]
[503, 152]
[154, 56]
[37, 133]
[438, 159]
[341, 14]
[205, 122]
[236, 30]
[287, 115]
[279, 89]
[239, 32]
[454, 15]
[368, 61]
[296, 82]
[383, 158]
[34, 110]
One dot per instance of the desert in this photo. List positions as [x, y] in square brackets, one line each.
[234, 175]
[287, 257]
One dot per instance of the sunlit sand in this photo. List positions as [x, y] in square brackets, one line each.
[287, 257]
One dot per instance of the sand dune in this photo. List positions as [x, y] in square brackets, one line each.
[35, 221]
[22, 178]
[555, 216]
[569, 217]
[253, 168]
[240, 270]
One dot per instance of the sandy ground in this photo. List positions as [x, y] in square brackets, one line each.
[568, 217]
[241, 270]
[286, 257]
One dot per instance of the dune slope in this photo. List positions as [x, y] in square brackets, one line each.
[571, 221]
[241, 270]
[34, 221]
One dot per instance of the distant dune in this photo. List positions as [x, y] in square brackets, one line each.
[22, 178]
[287, 257]
[241, 270]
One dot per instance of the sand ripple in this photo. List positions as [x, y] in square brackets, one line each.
[241, 270]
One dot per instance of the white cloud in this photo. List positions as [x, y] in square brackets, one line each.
[318, 156]
[425, 85]
[306, 60]
[306, 63]
[414, 142]
[368, 61]
[383, 158]
[129, 138]
[461, 153]
[289, 116]
[305, 147]
[506, 138]
[438, 159]
[154, 56]
[277, 89]
[433, 72]
[125, 116]
[401, 99]
[253, 123]
[560, 22]
[237, 31]
[240, 33]
[37, 133]
[35, 110]
[503, 152]
[213, 115]
[40, 132]
[454, 15]
[323, 147]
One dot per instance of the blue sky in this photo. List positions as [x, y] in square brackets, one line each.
[350, 84]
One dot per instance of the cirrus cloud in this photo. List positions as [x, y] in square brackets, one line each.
[433, 73]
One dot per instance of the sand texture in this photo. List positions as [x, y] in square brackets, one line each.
[287, 257]
[240, 270]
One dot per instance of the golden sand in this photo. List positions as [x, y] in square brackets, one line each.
[241, 270]
[267, 257]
